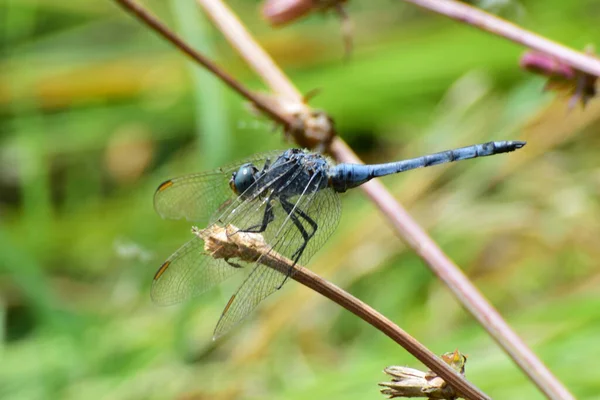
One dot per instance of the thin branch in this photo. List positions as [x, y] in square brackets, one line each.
[311, 129]
[408, 230]
[153, 23]
[239, 37]
[470, 15]
[230, 243]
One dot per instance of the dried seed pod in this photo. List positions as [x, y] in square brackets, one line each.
[410, 382]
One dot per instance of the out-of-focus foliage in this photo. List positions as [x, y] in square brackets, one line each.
[96, 111]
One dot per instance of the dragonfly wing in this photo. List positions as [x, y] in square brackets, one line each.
[261, 282]
[187, 273]
[197, 196]
[285, 238]
[192, 197]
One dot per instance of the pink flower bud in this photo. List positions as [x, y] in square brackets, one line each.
[546, 65]
[561, 76]
[280, 12]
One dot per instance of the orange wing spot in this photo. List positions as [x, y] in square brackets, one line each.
[161, 270]
[165, 185]
[228, 304]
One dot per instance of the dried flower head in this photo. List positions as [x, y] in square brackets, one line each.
[409, 382]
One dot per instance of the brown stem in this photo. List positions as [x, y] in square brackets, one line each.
[239, 37]
[153, 23]
[490, 23]
[230, 243]
[393, 331]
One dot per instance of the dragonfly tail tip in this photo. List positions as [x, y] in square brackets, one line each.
[518, 144]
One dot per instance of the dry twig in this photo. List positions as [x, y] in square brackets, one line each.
[410, 382]
[152, 22]
[229, 243]
[470, 15]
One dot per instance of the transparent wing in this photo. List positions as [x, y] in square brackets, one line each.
[321, 208]
[188, 272]
[198, 196]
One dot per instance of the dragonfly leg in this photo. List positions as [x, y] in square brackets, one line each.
[296, 256]
[266, 166]
[234, 265]
[268, 217]
[314, 227]
[289, 209]
[294, 214]
[308, 219]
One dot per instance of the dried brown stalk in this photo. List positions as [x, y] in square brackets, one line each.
[152, 22]
[410, 382]
[470, 15]
[229, 243]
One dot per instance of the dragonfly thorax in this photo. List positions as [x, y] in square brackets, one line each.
[243, 178]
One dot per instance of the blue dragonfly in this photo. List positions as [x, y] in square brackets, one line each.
[290, 198]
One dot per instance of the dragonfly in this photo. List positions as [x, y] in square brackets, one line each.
[289, 197]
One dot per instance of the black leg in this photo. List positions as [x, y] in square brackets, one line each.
[294, 213]
[268, 217]
[311, 222]
[234, 265]
[289, 209]
[267, 165]
[308, 219]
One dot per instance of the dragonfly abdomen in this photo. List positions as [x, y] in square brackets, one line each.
[346, 176]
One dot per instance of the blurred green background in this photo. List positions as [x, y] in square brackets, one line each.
[96, 111]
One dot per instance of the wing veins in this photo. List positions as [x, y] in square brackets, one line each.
[230, 317]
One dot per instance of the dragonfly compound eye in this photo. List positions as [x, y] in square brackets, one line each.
[243, 178]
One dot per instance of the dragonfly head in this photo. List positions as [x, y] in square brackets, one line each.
[243, 178]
